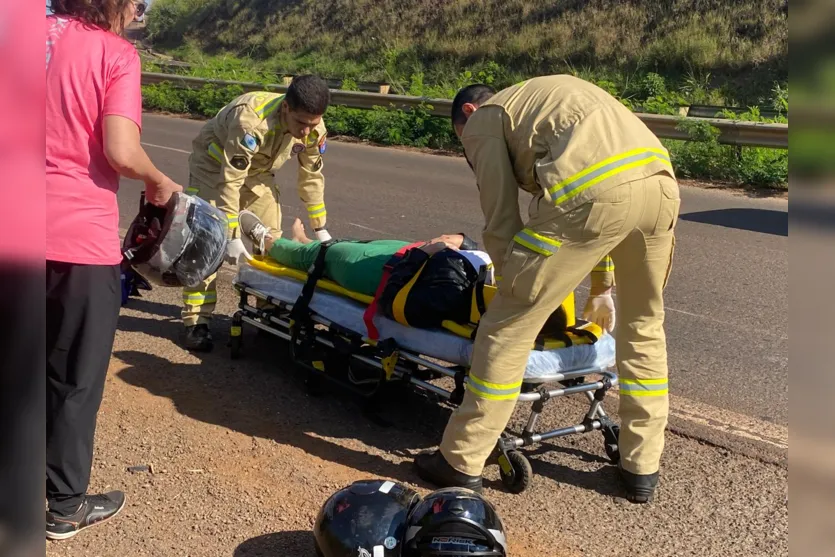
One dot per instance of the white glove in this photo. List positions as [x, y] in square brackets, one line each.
[322, 235]
[235, 249]
[600, 310]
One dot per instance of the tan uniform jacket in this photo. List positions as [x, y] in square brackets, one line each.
[245, 142]
[560, 138]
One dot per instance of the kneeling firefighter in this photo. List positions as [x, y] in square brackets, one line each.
[377, 518]
[233, 164]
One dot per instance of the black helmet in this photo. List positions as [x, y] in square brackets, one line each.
[177, 245]
[454, 522]
[365, 519]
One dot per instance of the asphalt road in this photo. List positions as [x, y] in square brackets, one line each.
[727, 298]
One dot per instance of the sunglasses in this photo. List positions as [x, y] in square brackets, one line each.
[140, 8]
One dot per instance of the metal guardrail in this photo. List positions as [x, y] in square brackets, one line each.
[745, 134]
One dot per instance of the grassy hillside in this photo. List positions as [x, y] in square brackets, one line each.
[654, 55]
[708, 50]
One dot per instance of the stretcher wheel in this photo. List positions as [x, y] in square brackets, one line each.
[522, 475]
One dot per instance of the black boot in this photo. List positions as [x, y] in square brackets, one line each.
[433, 468]
[198, 338]
[639, 487]
[94, 510]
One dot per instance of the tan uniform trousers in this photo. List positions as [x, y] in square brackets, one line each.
[634, 223]
[260, 198]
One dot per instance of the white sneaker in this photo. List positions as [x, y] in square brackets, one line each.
[252, 227]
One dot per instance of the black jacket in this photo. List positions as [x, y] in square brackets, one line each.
[442, 291]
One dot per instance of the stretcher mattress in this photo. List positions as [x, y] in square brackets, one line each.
[434, 343]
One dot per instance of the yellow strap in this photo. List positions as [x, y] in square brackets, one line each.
[398, 306]
[271, 266]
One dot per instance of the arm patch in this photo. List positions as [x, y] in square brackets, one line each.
[239, 162]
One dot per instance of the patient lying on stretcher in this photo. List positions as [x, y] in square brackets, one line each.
[447, 266]
[425, 284]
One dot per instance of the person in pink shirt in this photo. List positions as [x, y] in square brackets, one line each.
[93, 123]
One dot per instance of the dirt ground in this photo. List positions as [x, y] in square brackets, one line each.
[243, 456]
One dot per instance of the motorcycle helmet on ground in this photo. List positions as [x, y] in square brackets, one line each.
[177, 245]
[454, 522]
[365, 519]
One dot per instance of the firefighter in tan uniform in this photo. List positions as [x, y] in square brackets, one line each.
[232, 165]
[605, 203]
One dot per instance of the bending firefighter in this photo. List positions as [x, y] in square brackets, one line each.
[232, 165]
[605, 198]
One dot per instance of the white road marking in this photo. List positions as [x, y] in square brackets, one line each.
[369, 228]
[731, 423]
[166, 148]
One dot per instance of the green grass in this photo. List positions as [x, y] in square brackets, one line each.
[653, 56]
[732, 51]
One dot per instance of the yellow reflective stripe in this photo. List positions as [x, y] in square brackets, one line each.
[268, 107]
[537, 242]
[606, 168]
[493, 391]
[316, 211]
[200, 298]
[606, 265]
[216, 152]
[489, 396]
[192, 190]
[398, 306]
[644, 387]
[232, 219]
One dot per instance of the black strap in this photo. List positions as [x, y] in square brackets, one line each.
[314, 273]
[479, 290]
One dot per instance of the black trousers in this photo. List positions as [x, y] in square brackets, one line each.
[82, 311]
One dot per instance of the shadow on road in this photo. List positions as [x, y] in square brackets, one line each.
[763, 221]
[265, 395]
[298, 543]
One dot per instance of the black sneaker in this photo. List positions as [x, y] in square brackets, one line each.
[94, 510]
[433, 468]
[198, 338]
[640, 488]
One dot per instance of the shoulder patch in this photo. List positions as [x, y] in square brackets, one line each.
[323, 144]
[298, 148]
[239, 162]
[249, 141]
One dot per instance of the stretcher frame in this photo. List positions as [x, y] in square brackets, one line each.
[309, 335]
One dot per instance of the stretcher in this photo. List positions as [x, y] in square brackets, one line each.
[327, 336]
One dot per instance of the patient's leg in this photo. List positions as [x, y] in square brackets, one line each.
[293, 253]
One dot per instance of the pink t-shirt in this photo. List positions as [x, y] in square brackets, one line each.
[90, 73]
